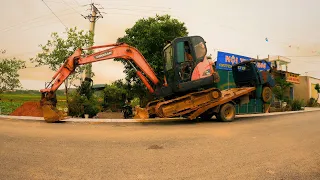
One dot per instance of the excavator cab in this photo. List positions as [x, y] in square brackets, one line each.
[186, 67]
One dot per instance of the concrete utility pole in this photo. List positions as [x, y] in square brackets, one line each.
[92, 17]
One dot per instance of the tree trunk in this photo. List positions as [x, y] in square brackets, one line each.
[66, 90]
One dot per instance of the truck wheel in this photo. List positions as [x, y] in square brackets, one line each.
[227, 113]
[266, 94]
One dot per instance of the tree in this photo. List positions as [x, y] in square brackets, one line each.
[9, 78]
[58, 49]
[84, 101]
[149, 36]
[280, 89]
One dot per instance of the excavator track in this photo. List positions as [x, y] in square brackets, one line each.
[151, 107]
[186, 104]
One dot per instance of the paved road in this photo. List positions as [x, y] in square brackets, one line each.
[282, 147]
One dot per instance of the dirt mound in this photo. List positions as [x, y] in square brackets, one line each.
[28, 109]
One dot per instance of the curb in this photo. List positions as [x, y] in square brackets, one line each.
[278, 113]
[146, 121]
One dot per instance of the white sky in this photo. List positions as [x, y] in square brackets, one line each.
[291, 26]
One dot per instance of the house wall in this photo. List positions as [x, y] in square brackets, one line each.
[305, 90]
[301, 90]
[312, 84]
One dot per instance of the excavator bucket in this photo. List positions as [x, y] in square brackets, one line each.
[141, 113]
[50, 113]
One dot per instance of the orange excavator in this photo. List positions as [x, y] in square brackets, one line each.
[186, 69]
[188, 89]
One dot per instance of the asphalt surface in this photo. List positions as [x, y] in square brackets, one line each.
[277, 147]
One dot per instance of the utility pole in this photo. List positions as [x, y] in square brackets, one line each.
[94, 15]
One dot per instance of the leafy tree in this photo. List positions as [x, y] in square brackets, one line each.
[115, 95]
[85, 89]
[79, 105]
[149, 36]
[58, 49]
[280, 89]
[9, 78]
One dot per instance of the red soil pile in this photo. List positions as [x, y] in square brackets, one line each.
[28, 109]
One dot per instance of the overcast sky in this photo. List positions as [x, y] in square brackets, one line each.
[237, 26]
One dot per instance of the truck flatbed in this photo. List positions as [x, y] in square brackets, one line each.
[227, 96]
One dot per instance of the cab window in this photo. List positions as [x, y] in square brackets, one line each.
[183, 52]
[199, 47]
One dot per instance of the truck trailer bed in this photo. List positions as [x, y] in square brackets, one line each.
[228, 95]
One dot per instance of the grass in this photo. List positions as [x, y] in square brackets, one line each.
[7, 108]
[25, 97]
[9, 102]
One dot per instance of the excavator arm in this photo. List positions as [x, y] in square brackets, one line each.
[121, 50]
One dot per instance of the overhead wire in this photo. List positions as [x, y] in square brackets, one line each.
[76, 2]
[54, 14]
[47, 24]
[125, 9]
[32, 21]
[70, 6]
[138, 11]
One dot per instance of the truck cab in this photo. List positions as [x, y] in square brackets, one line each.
[248, 74]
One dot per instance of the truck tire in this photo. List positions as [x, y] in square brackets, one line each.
[227, 113]
[266, 94]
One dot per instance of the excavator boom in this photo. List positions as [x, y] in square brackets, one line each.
[121, 50]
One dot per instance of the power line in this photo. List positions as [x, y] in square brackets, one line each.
[54, 13]
[33, 22]
[70, 6]
[28, 21]
[129, 5]
[125, 9]
[76, 2]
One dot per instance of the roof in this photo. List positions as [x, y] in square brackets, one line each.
[98, 86]
[280, 71]
[311, 77]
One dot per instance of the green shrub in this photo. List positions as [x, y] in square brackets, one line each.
[312, 102]
[80, 105]
[114, 97]
[75, 105]
[297, 105]
[92, 106]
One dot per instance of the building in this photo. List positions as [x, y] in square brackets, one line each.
[306, 88]
[289, 77]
